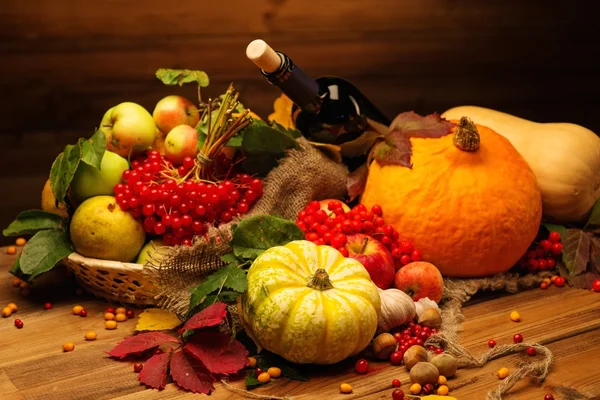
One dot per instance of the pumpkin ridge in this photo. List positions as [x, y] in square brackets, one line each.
[285, 325]
[356, 312]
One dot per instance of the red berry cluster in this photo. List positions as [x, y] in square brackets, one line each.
[542, 255]
[331, 227]
[412, 334]
[175, 206]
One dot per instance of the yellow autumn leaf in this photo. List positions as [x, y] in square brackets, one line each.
[157, 319]
[282, 112]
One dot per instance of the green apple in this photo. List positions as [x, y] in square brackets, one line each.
[148, 252]
[174, 110]
[181, 142]
[129, 129]
[89, 181]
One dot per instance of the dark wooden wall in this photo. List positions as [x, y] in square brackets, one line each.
[64, 62]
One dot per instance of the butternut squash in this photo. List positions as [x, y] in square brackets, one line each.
[564, 157]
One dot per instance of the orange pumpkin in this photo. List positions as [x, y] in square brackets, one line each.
[470, 203]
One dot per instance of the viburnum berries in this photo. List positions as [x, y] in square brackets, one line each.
[362, 366]
[329, 223]
[175, 204]
[596, 285]
[542, 256]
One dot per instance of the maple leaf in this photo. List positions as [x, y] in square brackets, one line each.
[356, 181]
[141, 342]
[414, 125]
[190, 373]
[154, 373]
[576, 250]
[217, 352]
[394, 150]
[210, 316]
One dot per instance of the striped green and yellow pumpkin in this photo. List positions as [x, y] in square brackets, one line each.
[309, 304]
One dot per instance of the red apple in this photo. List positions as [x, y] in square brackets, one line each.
[174, 110]
[420, 279]
[181, 142]
[374, 256]
[325, 205]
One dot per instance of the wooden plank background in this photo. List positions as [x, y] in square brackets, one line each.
[63, 63]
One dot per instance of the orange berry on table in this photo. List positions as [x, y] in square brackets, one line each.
[547, 281]
[90, 336]
[441, 380]
[553, 278]
[502, 373]
[274, 372]
[110, 325]
[559, 281]
[415, 388]
[264, 377]
[11, 250]
[6, 312]
[346, 388]
[68, 346]
[120, 310]
[12, 306]
[109, 316]
[443, 390]
[77, 310]
[515, 316]
[16, 282]
[251, 362]
[120, 317]
[20, 241]
[23, 285]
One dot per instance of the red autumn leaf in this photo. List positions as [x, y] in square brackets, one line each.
[414, 125]
[154, 373]
[141, 342]
[217, 352]
[356, 181]
[210, 316]
[190, 373]
[395, 150]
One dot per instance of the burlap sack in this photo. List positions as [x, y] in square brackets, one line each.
[304, 174]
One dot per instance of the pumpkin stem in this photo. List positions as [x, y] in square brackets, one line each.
[466, 136]
[320, 280]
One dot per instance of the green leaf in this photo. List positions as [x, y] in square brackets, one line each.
[92, 150]
[265, 360]
[230, 277]
[255, 234]
[263, 146]
[594, 218]
[16, 270]
[361, 145]
[293, 133]
[44, 250]
[235, 141]
[252, 381]
[555, 228]
[31, 221]
[231, 259]
[576, 250]
[181, 76]
[63, 169]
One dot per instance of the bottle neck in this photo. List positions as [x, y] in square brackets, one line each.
[296, 84]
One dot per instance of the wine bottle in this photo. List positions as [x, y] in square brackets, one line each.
[327, 109]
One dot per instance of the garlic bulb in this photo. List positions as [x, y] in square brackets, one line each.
[425, 303]
[397, 308]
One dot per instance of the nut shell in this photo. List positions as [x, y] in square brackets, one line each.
[383, 345]
[415, 354]
[430, 318]
[423, 373]
[446, 364]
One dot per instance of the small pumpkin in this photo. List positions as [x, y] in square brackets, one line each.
[397, 308]
[564, 157]
[470, 203]
[309, 304]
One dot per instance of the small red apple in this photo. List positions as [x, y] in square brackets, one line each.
[325, 205]
[175, 110]
[420, 279]
[181, 142]
[374, 256]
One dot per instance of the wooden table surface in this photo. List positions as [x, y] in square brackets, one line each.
[34, 366]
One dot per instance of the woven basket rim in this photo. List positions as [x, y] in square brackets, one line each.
[106, 264]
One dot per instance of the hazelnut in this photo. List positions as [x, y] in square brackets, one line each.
[446, 364]
[430, 318]
[384, 345]
[415, 354]
[424, 373]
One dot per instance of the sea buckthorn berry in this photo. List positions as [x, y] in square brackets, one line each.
[6, 312]
[90, 336]
[547, 281]
[77, 310]
[554, 237]
[11, 250]
[20, 241]
[398, 394]
[553, 278]
[443, 390]
[502, 372]
[47, 306]
[120, 310]
[137, 367]
[110, 325]
[559, 281]
[396, 383]
[83, 313]
[120, 317]
[515, 316]
[109, 316]
[12, 306]
[442, 380]
[491, 343]
[264, 377]
[345, 388]
[16, 282]
[518, 338]
[531, 351]
[415, 388]
[69, 346]
[361, 366]
[18, 323]
[274, 372]
[251, 362]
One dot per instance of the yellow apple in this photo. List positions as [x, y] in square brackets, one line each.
[129, 129]
[181, 142]
[174, 110]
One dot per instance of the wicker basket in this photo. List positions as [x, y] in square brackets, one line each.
[113, 280]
